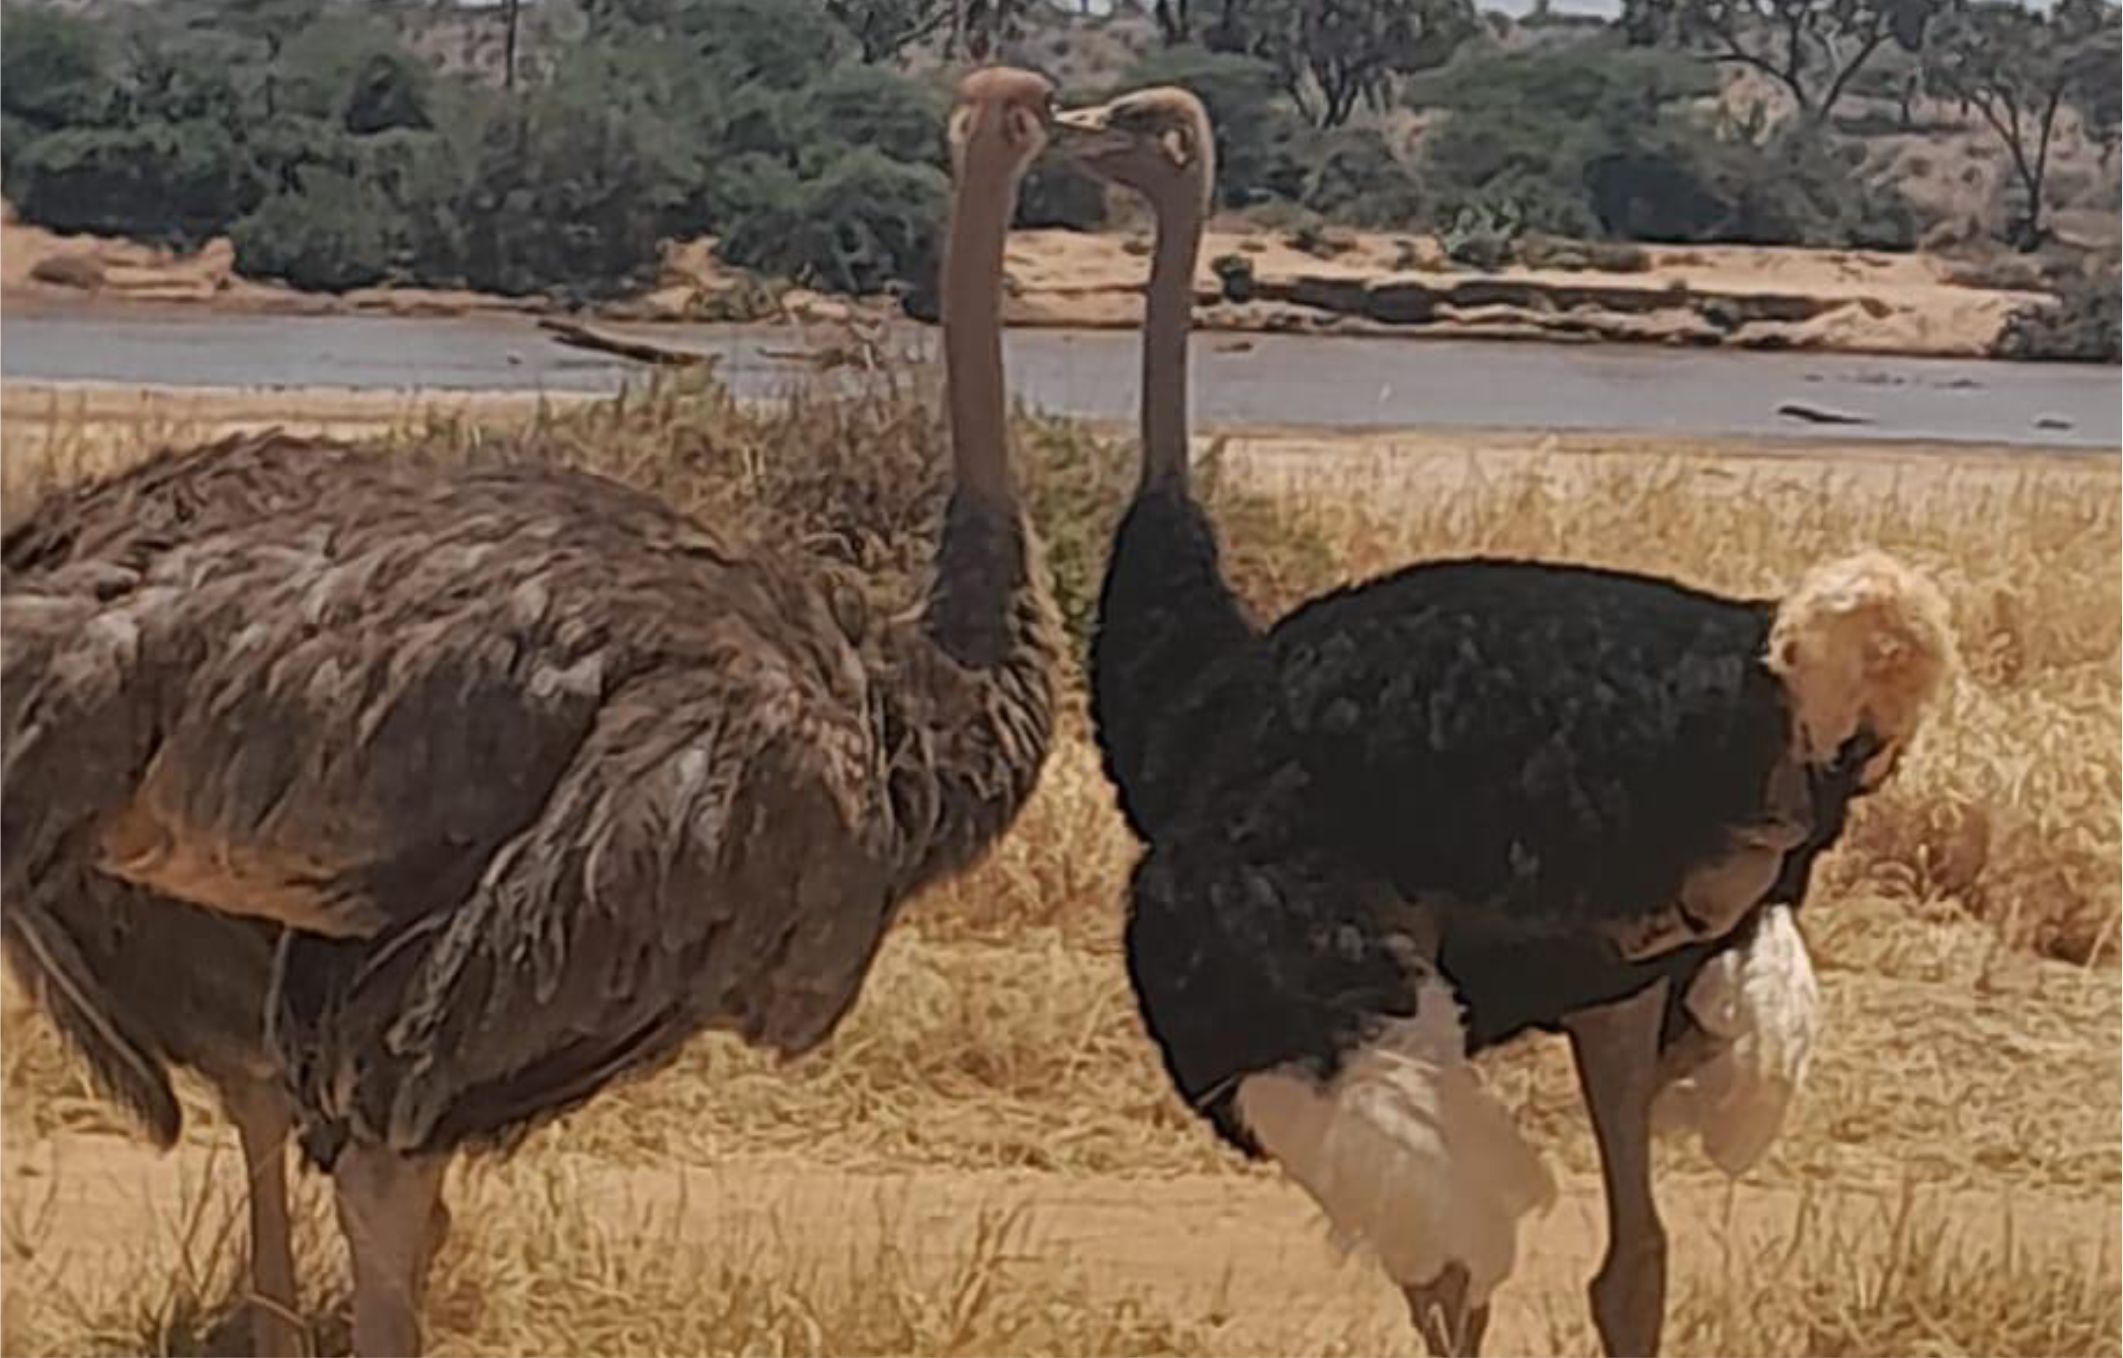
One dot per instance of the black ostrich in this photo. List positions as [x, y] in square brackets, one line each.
[1421, 816]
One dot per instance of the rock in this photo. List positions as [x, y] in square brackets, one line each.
[69, 270]
[1325, 292]
[672, 303]
[1402, 299]
[216, 259]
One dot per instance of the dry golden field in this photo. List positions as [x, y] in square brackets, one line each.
[986, 1160]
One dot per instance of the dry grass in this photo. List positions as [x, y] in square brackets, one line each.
[1917, 1278]
[1966, 932]
[567, 1257]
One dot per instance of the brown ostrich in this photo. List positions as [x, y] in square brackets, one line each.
[539, 777]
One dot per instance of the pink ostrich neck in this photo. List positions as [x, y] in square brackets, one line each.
[1168, 318]
[984, 199]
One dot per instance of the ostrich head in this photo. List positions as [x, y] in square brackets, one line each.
[1155, 141]
[999, 124]
[1863, 645]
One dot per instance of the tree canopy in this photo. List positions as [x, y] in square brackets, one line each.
[339, 144]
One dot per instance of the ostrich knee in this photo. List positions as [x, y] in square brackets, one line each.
[389, 1210]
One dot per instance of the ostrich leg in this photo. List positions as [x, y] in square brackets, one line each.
[262, 1126]
[1617, 1050]
[390, 1208]
[1450, 1329]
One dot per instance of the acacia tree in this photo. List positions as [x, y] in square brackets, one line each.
[885, 28]
[2016, 67]
[1813, 48]
[2097, 88]
[270, 23]
[1333, 55]
[1175, 20]
[511, 17]
[976, 26]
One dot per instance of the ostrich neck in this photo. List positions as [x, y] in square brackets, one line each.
[981, 562]
[970, 728]
[1165, 614]
[973, 343]
[1167, 319]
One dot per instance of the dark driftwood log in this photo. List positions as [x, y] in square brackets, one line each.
[580, 336]
[1817, 415]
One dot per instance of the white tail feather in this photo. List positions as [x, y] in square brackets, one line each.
[1762, 1008]
[1408, 1155]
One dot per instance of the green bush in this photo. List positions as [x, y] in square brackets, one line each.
[419, 183]
[567, 190]
[1593, 140]
[1798, 191]
[777, 44]
[277, 153]
[1354, 177]
[54, 71]
[1484, 235]
[356, 75]
[1055, 193]
[866, 221]
[181, 75]
[175, 183]
[329, 235]
[1546, 131]
[854, 105]
[2084, 324]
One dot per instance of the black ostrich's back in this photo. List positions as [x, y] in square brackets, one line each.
[1546, 745]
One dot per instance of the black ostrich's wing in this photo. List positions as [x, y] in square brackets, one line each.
[1250, 948]
[1554, 746]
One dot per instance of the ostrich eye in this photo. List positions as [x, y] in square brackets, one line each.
[1858, 751]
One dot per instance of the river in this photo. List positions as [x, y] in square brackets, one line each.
[1239, 380]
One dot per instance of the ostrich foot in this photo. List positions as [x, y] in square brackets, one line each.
[262, 1126]
[1449, 1326]
[1629, 1296]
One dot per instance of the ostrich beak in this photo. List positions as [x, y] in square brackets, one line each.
[1088, 133]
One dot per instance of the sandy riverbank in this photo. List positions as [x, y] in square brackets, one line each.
[1342, 283]
[36, 417]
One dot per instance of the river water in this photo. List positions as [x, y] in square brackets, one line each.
[1324, 381]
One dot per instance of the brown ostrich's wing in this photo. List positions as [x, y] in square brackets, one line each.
[711, 856]
[339, 745]
[335, 718]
